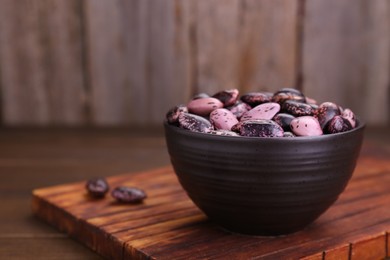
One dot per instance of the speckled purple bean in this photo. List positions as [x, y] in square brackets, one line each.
[194, 123]
[338, 124]
[263, 111]
[97, 188]
[283, 120]
[288, 94]
[296, 108]
[306, 126]
[173, 114]
[222, 118]
[325, 112]
[239, 108]
[223, 132]
[237, 127]
[227, 97]
[204, 106]
[128, 194]
[288, 134]
[261, 128]
[224, 114]
[256, 98]
[350, 116]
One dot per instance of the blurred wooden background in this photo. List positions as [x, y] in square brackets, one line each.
[99, 62]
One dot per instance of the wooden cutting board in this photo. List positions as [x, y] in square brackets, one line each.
[168, 225]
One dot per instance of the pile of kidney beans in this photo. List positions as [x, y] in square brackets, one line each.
[98, 187]
[285, 113]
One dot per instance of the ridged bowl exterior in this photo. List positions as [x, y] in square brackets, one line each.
[263, 186]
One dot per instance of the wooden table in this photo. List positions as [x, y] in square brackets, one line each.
[33, 158]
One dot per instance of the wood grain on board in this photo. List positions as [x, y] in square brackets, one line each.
[167, 225]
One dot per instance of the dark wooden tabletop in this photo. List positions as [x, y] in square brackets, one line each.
[35, 158]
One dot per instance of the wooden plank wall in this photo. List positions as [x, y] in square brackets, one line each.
[71, 62]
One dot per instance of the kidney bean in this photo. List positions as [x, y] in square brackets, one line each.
[261, 128]
[263, 111]
[338, 124]
[288, 94]
[97, 188]
[256, 98]
[350, 116]
[325, 112]
[283, 120]
[222, 118]
[306, 126]
[288, 134]
[227, 97]
[239, 108]
[173, 114]
[223, 132]
[194, 123]
[128, 194]
[204, 106]
[297, 108]
[258, 114]
[237, 127]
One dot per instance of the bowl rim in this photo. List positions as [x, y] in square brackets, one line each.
[360, 125]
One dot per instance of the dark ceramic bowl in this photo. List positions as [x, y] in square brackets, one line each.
[263, 186]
